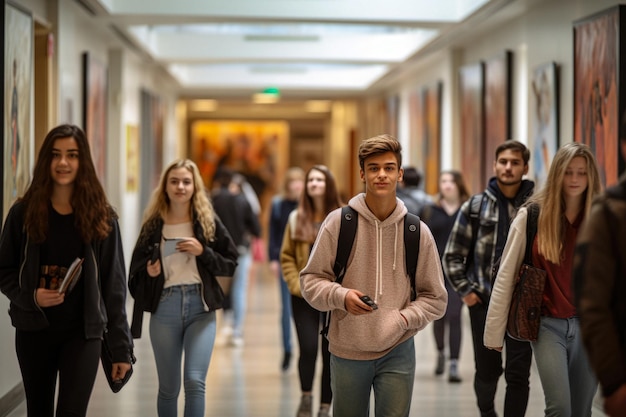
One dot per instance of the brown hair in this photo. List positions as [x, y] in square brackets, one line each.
[305, 229]
[457, 177]
[514, 146]
[378, 145]
[92, 211]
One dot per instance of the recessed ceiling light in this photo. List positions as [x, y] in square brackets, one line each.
[203, 105]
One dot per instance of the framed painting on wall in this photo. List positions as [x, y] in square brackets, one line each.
[151, 131]
[392, 106]
[258, 150]
[599, 91]
[95, 111]
[416, 130]
[132, 159]
[18, 110]
[432, 137]
[497, 108]
[544, 119]
[471, 99]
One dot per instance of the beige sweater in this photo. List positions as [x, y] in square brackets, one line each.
[377, 268]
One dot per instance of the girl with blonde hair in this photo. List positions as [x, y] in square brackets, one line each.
[179, 288]
[573, 181]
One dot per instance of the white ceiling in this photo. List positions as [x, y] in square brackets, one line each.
[301, 47]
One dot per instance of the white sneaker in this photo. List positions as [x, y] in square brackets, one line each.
[236, 341]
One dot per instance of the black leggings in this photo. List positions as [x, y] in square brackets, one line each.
[453, 319]
[308, 327]
[44, 354]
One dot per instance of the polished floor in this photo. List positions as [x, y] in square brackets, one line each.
[247, 381]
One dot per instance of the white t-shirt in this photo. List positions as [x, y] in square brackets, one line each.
[179, 268]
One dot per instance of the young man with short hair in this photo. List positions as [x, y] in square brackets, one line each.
[476, 241]
[373, 348]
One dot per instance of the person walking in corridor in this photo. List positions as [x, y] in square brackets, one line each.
[476, 241]
[373, 348]
[64, 215]
[181, 248]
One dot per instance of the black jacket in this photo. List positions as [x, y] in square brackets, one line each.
[219, 258]
[103, 275]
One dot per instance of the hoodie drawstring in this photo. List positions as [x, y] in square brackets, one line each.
[379, 257]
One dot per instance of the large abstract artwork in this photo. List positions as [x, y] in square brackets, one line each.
[497, 108]
[471, 95]
[257, 150]
[17, 114]
[416, 130]
[95, 111]
[432, 137]
[151, 133]
[599, 95]
[544, 119]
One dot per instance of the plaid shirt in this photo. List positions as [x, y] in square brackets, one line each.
[474, 275]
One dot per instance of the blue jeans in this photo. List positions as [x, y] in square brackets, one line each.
[285, 313]
[569, 384]
[239, 291]
[391, 377]
[179, 325]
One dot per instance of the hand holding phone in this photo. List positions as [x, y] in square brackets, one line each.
[369, 302]
[155, 253]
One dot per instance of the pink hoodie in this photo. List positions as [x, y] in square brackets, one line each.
[377, 268]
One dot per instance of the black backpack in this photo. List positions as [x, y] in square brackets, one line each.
[347, 233]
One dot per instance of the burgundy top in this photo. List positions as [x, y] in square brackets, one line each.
[558, 300]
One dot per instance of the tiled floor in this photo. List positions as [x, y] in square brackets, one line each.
[247, 381]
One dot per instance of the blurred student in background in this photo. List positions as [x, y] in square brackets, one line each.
[282, 206]
[320, 197]
[235, 212]
[440, 217]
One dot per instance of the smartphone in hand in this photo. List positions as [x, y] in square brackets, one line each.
[369, 302]
[155, 253]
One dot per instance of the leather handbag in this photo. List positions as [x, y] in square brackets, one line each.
[106, 357]
[525, 312]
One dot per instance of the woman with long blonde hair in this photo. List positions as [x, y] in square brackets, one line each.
[573, 181]
[181, 248]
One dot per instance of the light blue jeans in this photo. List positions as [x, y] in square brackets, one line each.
[239, 291]
[391, 377]
[569, 384]
[285, 313]
[179, 325]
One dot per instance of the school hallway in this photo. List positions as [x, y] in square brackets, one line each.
[247, 381]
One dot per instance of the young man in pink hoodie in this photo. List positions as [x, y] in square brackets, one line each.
[373, 348]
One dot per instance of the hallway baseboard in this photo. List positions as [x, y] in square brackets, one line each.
[11, 400]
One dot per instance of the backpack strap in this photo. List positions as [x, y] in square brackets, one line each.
[476, 204]
[412, 231]
[347, 232]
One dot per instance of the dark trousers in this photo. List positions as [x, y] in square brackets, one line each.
[308, 326]
[489, 368]
[453, 320]
[44, 354]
